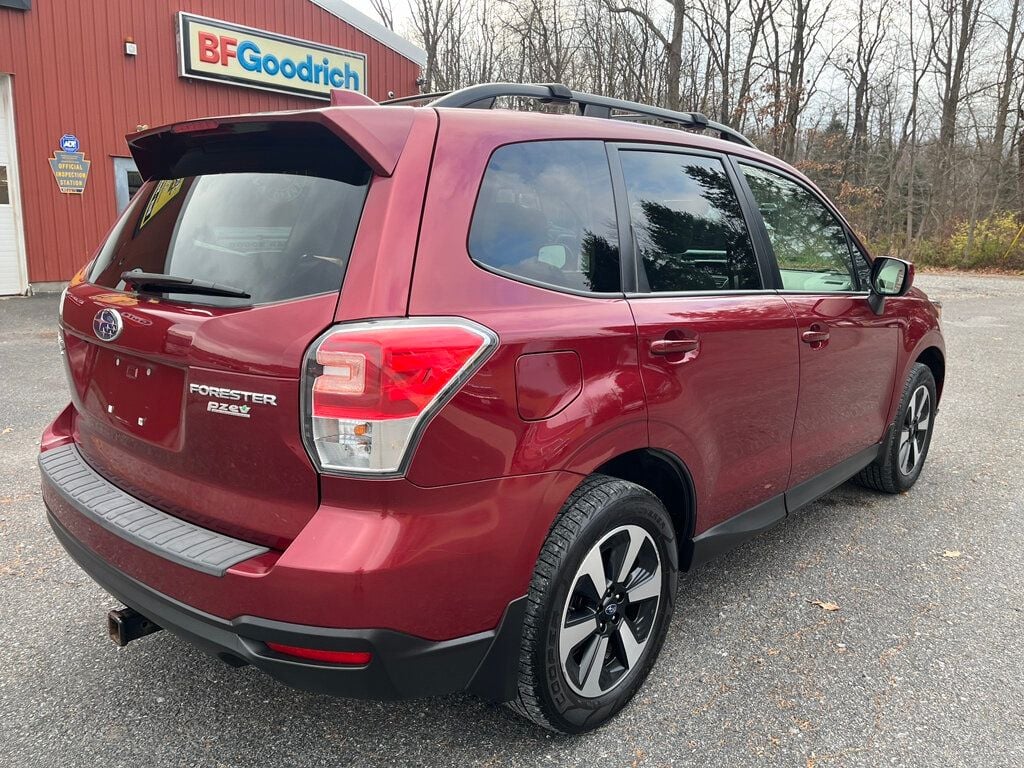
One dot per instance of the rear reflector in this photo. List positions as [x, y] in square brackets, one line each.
[371, 386]
[351, 658]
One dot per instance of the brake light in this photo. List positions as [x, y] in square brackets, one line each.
[196, 126]
[372, 386]
[352, 658]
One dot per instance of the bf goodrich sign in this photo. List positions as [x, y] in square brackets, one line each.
[209, 49]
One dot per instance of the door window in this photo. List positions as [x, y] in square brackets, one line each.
[546, 214]
[810, 243]
[689, 229]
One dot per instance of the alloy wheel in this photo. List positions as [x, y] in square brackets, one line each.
[610, 612]
[914, 432]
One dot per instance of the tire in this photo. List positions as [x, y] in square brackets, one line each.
[564, 692]
[906, 447]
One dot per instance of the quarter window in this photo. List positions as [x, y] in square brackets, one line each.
[810, 243]
[546, 214]
[689, 229]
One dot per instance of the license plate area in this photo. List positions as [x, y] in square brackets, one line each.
[136, 396]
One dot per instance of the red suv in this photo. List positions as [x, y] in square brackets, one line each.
[391, 401]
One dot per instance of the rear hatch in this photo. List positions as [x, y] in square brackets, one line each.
[184, 336]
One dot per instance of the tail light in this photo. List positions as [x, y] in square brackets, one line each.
[371, 387]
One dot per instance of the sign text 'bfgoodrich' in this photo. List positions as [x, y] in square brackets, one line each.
[209, 49]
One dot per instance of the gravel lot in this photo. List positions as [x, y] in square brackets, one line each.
[920, 666]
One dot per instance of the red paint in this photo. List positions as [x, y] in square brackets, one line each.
[547, 382]
[846, 382]
[376, 554]
[70, 75]
[737, 397]
[727, 408]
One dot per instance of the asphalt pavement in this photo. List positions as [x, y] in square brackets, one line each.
[920, 665]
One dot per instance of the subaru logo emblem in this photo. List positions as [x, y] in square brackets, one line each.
[107, 325]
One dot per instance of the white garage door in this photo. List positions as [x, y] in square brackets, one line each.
[12, 276]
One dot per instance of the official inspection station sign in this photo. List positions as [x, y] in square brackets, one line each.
[209, 49]
[70, 168]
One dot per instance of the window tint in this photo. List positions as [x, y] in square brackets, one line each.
[546, 213]
[861, 265]
[688, 224]
[274, 235]
[810, 243]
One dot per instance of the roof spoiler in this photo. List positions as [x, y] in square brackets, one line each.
[376, 134]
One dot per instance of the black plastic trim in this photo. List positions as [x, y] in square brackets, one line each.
[629, 271]
[720, 538]
[402, 665]
[819, 485]
[135, 521]
[729, 534]
[590, 105]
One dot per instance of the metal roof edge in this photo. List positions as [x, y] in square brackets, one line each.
[374, 29]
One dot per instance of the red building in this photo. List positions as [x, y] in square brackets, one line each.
[75, 77]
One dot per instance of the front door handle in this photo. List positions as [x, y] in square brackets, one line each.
[817, 334]
[673, 346]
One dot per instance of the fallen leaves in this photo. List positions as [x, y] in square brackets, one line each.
[825, 605]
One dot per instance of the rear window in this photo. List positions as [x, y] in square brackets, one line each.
[275, 236]
[546, 214]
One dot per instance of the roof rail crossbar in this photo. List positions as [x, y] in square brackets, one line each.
[484, 95]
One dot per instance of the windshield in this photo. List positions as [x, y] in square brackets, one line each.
[275, 236]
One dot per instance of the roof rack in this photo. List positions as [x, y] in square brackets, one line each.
[590, 105]
[415, 98]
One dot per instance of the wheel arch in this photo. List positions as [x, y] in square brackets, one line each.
[667, 477]
[936, 362]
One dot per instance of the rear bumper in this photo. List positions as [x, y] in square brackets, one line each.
[402, 666]
[428, 580]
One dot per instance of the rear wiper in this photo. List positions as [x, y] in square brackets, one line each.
[154, 282]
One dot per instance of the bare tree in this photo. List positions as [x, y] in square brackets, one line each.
[672, 43]
[918, 105]
[384, 9]
[872, 28]
[434, 22]
[952, 25]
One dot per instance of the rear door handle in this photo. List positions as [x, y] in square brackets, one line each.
[816, 335]
[674, 346]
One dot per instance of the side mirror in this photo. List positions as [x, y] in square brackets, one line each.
[889, 277]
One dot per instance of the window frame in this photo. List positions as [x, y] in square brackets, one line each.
[614, 295]
[633, 281]
[852, 243]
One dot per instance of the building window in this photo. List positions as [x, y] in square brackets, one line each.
[127, 181]
[5, 193]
